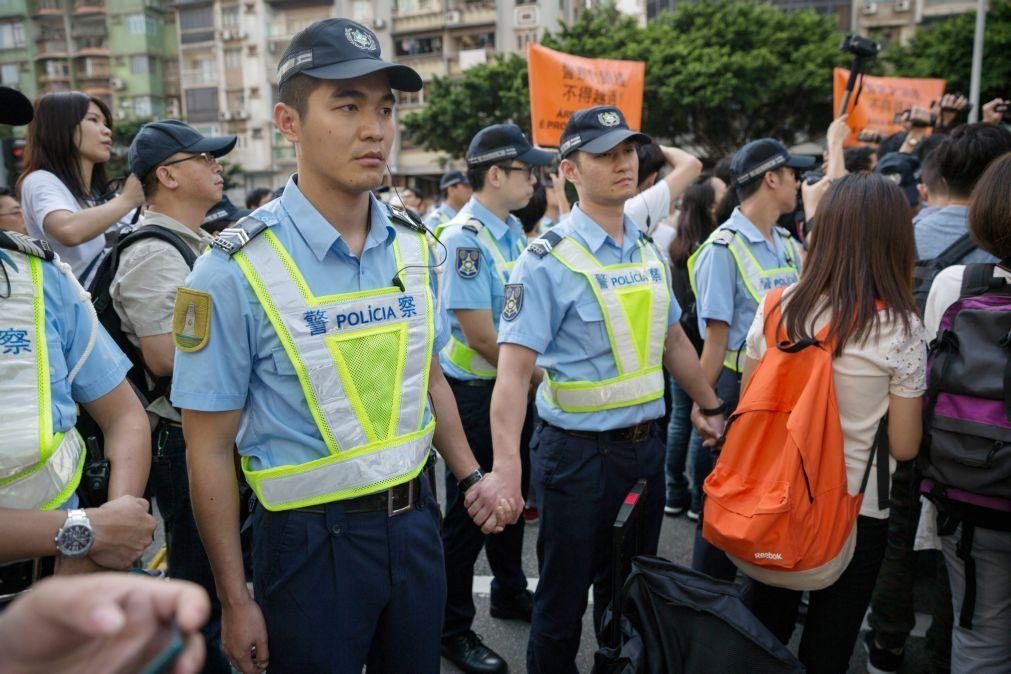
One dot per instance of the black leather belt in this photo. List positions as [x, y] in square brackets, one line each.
[395, 501]
[17, 577]
[636, 433]
[473, 383]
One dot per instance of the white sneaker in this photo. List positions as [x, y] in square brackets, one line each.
[693, 515]
[673, 511]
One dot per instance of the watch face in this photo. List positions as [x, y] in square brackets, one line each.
[75, 540]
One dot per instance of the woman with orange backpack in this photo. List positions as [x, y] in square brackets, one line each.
[793, 498]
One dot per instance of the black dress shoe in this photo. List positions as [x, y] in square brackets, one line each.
[517, 607]
[467, 652]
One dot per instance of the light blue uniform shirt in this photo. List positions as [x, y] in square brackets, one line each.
[486, 290]
[721, 294]
[444, 213]
[68, 328]
[243, 366]
[942, 227]
[561, 320]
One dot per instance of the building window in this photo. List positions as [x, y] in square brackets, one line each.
[136, 24]
[142, 106]
[525, 37]
[196, 24]
[230, 18]
[409, 98]
[419, 45]
[233, 59]
[361, 11]
[9, 74]
[202, 104]
[140, 64]
[11, 35]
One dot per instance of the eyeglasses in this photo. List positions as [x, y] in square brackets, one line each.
[205, 157]
[529, 170]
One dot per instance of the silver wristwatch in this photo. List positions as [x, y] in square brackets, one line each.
[75, 537]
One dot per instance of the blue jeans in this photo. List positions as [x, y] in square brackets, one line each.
[681, 441]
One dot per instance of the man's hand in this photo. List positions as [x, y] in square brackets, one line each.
[244, 636]
[838, 132]
[107, 622]
[710, 428]
[494, 502]
[948, 108]
[123, 530]
[811, 195]
[991, 115]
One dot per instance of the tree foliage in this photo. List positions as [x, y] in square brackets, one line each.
[944, 49]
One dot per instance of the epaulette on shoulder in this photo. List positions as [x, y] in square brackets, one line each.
[232, 239]
[784, 232]
[723, 237]
[27, 245]
[542, 245]
[473, 225]
[402, 217]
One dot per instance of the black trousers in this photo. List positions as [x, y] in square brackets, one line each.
[834, 614]
[462, 539]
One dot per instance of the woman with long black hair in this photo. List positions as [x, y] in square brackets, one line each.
[63, 187]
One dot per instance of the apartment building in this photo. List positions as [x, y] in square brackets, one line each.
[896, 21]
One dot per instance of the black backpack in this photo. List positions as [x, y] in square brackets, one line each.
[101, 298]
[926, 270]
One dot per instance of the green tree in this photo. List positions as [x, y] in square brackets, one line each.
[944, 50]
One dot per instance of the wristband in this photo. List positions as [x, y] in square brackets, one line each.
[469, 481]
[713, 411]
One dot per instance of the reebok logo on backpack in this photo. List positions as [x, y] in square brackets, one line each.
[778, 501]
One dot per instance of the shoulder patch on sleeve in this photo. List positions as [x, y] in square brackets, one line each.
[27, 245]
[468, 262]
[191, 319]
[232, 239]
[543, 245]
[513, 301]
[723, 237]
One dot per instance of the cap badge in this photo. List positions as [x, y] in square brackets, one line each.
[609, 118]
[360, 38]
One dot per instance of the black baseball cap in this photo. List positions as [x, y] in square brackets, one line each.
[760, 156]
[453, 178]
[904, 170]
[224, 211]
[501, 142]
[597, 130]
[157, 141]
[341, 49]
[15, 108]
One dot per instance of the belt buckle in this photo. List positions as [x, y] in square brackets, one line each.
[392, 511]
[641, 432]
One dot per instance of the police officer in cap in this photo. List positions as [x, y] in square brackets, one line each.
[54, 356]
[483, 242]
[730, 273]
[307, 338]
[456, 191]
[590, 302]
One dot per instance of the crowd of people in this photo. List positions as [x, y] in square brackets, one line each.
[806, 356]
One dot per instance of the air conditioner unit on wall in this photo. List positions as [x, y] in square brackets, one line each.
[378, 24]
[869, 8]
[526, 17]
[453, 16]
[903, 5]
[117, 84]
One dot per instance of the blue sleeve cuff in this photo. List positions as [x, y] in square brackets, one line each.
[207, 402]
[99, 386]
[538, 344]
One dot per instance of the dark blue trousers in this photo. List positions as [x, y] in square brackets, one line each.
[580, 484]
[462, 539]
[169, 486]
[340, 591]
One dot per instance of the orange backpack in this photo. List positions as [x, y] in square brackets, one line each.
[777, 501]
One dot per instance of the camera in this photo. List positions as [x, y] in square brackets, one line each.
[916, 116]
[870, 136]
[1004, 109]
[859, 46]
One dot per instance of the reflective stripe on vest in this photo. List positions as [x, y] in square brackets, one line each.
[39, 469]
[757, 280]
[634, 300]
[363, 360]
[458, 353]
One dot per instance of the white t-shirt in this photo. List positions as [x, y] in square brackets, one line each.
[43, 193]
[889, 361]
[650, 210]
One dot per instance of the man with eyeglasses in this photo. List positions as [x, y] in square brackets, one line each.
[182, 180]
[482, 243]
[11, 217]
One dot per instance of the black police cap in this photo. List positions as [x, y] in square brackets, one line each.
[760, 156]
[596, 130]
[341, 49]
[453, 178]
[503, 142]
[157, 141]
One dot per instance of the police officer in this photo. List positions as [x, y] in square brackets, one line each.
[730, 273]
[590, 302]
[483, 242]
[54, 355]
[456, 191]
[307, 338]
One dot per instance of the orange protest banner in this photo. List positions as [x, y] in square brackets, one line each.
[562, 83]
[881, 99]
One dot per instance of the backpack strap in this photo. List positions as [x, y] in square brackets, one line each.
[879, 456]
[963, 550]
[951, 255]
[977, 279]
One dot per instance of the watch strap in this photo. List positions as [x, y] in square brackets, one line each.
[713, 411]
[469, 481]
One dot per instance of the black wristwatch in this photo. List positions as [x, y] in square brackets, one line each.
[469, 481]
[713, 411]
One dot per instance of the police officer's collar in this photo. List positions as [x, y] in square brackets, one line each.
[594, 235]
[740, 222]
[495, 226]
[319, 234]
